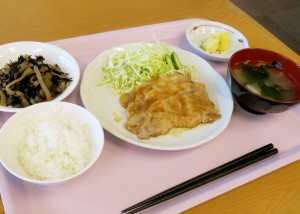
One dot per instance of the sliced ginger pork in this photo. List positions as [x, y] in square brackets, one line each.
[167, 102]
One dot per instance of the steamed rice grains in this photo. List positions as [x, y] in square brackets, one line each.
[55, 150]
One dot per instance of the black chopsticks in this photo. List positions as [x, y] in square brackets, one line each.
[214, 174]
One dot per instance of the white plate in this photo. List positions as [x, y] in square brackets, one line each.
[106, 107]
[52, 55]
[198, 32]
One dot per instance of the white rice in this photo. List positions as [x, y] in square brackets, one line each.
[54, 149]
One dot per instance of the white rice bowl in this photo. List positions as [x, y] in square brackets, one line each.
[50, 142]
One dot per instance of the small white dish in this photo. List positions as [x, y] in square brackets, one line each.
[72, 117]
[52, 54]
[198, 32]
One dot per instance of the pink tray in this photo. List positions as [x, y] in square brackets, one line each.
[126, 174]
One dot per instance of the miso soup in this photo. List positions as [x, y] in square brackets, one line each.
[267, 80]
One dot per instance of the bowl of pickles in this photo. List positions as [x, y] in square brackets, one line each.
[215, 41]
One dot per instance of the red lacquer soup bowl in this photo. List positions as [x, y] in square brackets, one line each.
[263, 81]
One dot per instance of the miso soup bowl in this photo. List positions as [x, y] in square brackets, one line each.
[252, 101]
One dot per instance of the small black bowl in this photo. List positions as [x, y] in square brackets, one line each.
[250, 100]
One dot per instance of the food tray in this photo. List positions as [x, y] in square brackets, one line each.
[126, 174]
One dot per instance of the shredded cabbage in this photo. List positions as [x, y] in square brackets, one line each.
[127, 69]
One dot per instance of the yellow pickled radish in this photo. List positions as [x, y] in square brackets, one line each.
[224, 40]
[210, 45]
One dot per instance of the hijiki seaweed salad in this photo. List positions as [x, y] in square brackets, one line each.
[29, 80]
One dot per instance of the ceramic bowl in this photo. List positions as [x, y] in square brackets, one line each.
[252, 100]
[20, 128]
[197, 33]
[51, 53]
